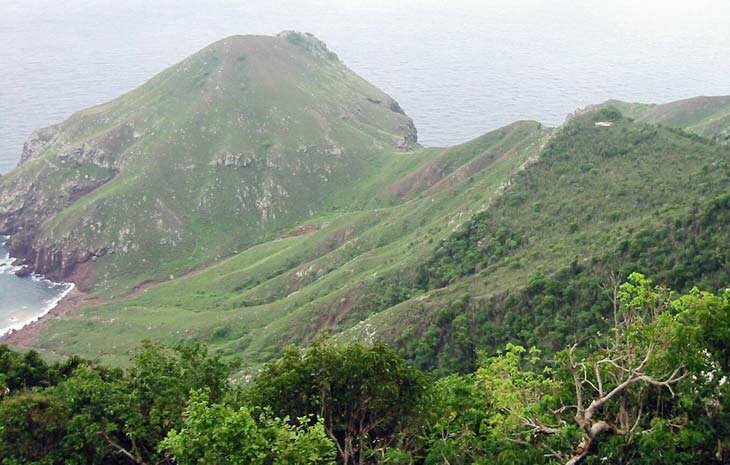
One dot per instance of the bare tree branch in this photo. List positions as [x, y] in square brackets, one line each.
[122, 450]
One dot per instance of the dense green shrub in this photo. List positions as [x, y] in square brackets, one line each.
[365, 395]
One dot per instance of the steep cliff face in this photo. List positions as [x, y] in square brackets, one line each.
[246, 137]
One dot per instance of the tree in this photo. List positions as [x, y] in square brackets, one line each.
[521, 402]
[29, 370]
[32, 429]
[704, 331]
[364, 394]
[221, 434]
[454, 422]
[123, 417]
[602, 392]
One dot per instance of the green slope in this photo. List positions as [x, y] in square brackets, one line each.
[705, 116]
[243, 139]
[329, 278]
[507, 237]
[529, 268]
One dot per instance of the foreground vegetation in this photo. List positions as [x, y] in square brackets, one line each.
[650, 390]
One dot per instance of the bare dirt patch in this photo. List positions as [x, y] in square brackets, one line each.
[425, 177]
[303, 230]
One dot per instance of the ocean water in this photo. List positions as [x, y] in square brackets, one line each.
[459, 68]
[24, 299]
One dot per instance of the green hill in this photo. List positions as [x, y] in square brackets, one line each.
[266, 195]
[325, 275]
[217, 153]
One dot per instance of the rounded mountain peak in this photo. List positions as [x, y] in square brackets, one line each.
[249, 135]
[234, 44]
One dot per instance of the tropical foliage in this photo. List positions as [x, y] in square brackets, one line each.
[651, 389]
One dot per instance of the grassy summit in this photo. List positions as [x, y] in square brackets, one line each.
[227, 148]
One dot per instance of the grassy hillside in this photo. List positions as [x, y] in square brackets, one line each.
[230, 147]
[325, 274]
[705, 116]
[531, 267]
[259, 194]
[507, 238]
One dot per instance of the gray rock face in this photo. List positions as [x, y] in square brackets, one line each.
[241, 160]
[407, 129]
[38, 141]
[410, 137]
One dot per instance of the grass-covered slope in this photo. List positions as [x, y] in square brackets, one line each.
[327, 274]
[705, 116]
[509, 237]
[532, 267]
[242, 140]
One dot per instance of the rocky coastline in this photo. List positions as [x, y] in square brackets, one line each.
[25, 335]
[18, 266]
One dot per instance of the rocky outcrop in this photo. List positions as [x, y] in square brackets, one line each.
[28, 202]
[56, 261]
[309, 42]
[39, 141]
[410, 136]
[241, 160]
[406, 128]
